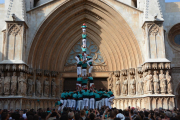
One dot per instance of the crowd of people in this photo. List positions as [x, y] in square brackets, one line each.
[86, 99]
[92, 114]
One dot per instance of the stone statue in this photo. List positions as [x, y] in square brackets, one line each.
[7, 81]
[162, 82]
[53, 84]
[149, 79]
[46, 88]
[140, 85]
[30, 86]
[145, 82]
[118, 87]
[22, 84]
[169, 83]
[132, 86]
[125, 86]
[1, 83]
[38, 87]
[156, 82]
[14, 84]
[110, 81]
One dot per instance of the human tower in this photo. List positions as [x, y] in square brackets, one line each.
[82, 61]
[85, 96]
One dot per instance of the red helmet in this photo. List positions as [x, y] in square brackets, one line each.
[84, 24]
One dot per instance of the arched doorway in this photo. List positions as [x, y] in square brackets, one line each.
[107, 29]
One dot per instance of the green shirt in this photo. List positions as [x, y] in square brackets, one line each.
[70, 93]
[107, 95]
[75, 95]
[80, 56]
[63, 95]
[83, 49]
[110, 93]
[83, 26]
[91, 94]
[84, 36]
[84, 81]
[84, 65]
[86, 93]
[57, 103]
[79, 79]
[80, 63]
[97, 95]
[90, 78]
[80, 95]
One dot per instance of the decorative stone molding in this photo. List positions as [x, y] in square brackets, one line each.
[124, 72]
[30, 71]
[54, 73]
[47, 73]
[117, 73]
[39, 72]
[132, 71]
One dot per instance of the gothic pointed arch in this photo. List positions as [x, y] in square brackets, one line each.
[106, 28]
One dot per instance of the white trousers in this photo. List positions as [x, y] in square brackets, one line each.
[85, 102]
[110, 100]
[106, 101]
[69, 101]
[78, 70]
[98, 104]
[92, 102]
[64, 103]
[84, 30]
[91, 60]
[84, 56]
[102, 101]
[84, 72]
[77, 59]
[80, 105]
[84, 42]
[90, 69]
[73, 103]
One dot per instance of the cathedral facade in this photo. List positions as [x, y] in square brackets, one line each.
[135, 46]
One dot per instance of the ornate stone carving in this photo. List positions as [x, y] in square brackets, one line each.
[54, 74]
[145, 82]
[38, 71]
[124, 72]
[8, 67]
[155, 66]
[132, 85]
[46, 87]
[54, 89]
[46, 72]
[14, 29]
[1, 83]
[22, 67]
[132, 71]
[154, 30]
[116, 73]
[30, 71]
[156, 82]
[117, 86]
[30, 86]
[125, 86]
[149, 80]
[139, 69]
[7, 81]
[161, 65]
[22, 84]
[169, 83]
[38, 87]
[162, 81]
[168, 65]
[110, 81]
[14, 67]
[140, 85]
[14, 84]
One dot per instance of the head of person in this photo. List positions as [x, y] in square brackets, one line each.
[64, 91]
[82, 113]
[106, 90]
[84, 24]
[146, 113]
[112, 115]
[126, 113]
[120, 111]
[109, 89]
[92, 116]
[70, 115]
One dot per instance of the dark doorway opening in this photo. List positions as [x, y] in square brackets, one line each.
[70, 83]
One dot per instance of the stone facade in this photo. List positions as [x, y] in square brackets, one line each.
[134, 44]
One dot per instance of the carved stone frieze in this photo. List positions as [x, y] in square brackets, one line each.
[47, 73]
[132, 71]
[54, 73]
[39, 72]
[124, 72]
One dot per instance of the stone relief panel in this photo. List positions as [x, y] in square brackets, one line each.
[92, 50]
